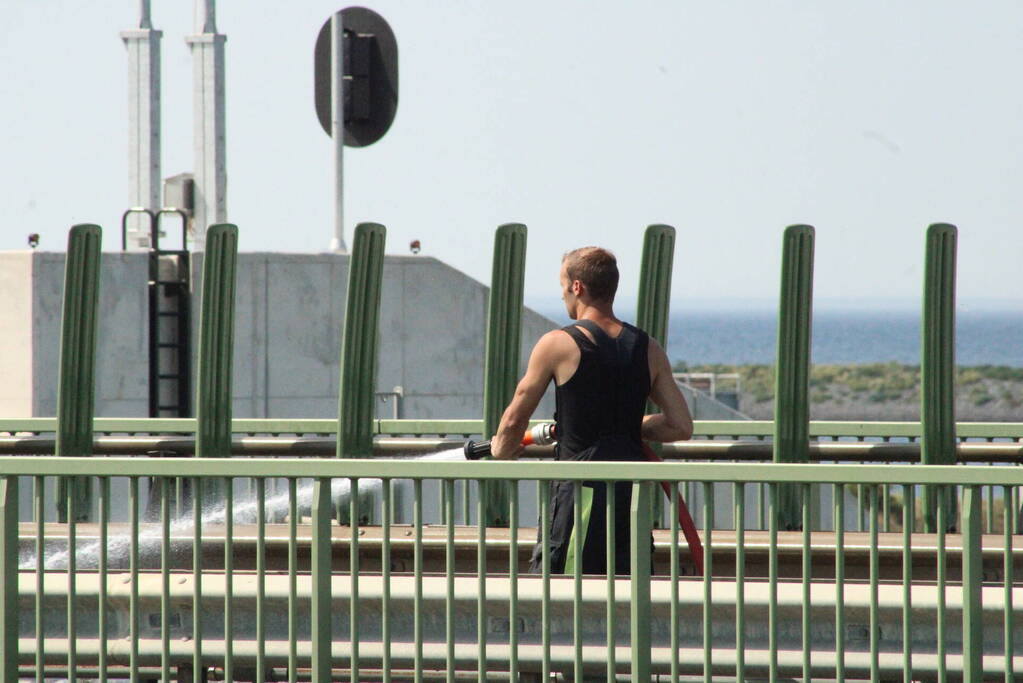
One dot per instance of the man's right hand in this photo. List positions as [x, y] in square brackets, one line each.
[504, 447]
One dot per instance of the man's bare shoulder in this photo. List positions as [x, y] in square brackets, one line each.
[655, 348]
[555, 342]
[657, 359]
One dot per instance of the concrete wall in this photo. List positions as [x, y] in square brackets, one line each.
[288, 321]
[16, 334]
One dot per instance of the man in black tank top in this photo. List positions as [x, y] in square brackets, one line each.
[604, 372]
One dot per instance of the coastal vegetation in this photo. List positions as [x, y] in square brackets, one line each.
[876, 390]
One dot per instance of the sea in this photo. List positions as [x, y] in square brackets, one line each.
[838, 336]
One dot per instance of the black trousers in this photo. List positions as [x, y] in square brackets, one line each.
[562, 522]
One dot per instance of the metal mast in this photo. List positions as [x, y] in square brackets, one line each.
[209, 131]
[337, 128]
[143, 45]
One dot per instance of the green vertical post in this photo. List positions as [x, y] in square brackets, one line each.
[937, 368]
[973, 575]
[503, 345]
[9, 610]
[359, 342]
[320, 570]
[77, 379]
[639, 564]
[792, 368]
[216, 345]
[655, 281]
[653, 303]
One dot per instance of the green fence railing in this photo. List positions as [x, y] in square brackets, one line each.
[323, 611]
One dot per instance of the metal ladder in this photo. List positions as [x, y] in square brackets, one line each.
[170, 349]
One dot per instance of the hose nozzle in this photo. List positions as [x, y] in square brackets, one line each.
[539, 435]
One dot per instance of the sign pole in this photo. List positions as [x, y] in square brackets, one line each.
[337, 127]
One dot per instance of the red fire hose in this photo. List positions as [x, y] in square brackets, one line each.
[544, 434]
[685, 520]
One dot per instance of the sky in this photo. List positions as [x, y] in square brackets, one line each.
[586, 120]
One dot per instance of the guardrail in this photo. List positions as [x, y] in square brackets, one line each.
[710, 429]
[351, 621]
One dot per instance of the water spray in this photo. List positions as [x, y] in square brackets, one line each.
[539, 435]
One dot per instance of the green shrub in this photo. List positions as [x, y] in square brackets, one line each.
[968, 376]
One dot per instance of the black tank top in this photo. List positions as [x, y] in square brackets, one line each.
[600, 408]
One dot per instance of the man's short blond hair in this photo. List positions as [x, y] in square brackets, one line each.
[596, 268]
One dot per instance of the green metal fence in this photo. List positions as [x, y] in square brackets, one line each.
[175, 598]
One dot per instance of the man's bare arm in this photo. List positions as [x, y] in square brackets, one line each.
[507, 443]
[673, 423]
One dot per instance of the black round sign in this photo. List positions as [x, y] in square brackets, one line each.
[371, 68]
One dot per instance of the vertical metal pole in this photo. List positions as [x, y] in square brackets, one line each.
[942, 581]
[417, 570]
[216, 345]
[908, 518]
[38, 508]
[359, 342]
[655, 281]
[708, 573]
[77, 382]
[353, 564]
[320, 561]
[792, 369]
[481, 593]
[874, 610]
[639, 516]
[261, 579]
[292, 580]
[133, 568]
[198, 675]
[104, 536]
[1008, 568]
[937, 367]
[9, 579]
[544, 496]
[337, 126]
[385, 561]
[652, 305]
[72, 585]
[740, 579]
[513, 580]
[973, 575]
[449, 574]
[228, 579]
[610, 565]
[503, 345]
[772, 579]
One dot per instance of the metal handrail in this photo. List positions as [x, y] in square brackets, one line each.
[184, 226]
[414, 427]
[359, 468]
[124, 225]
[323, 446]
